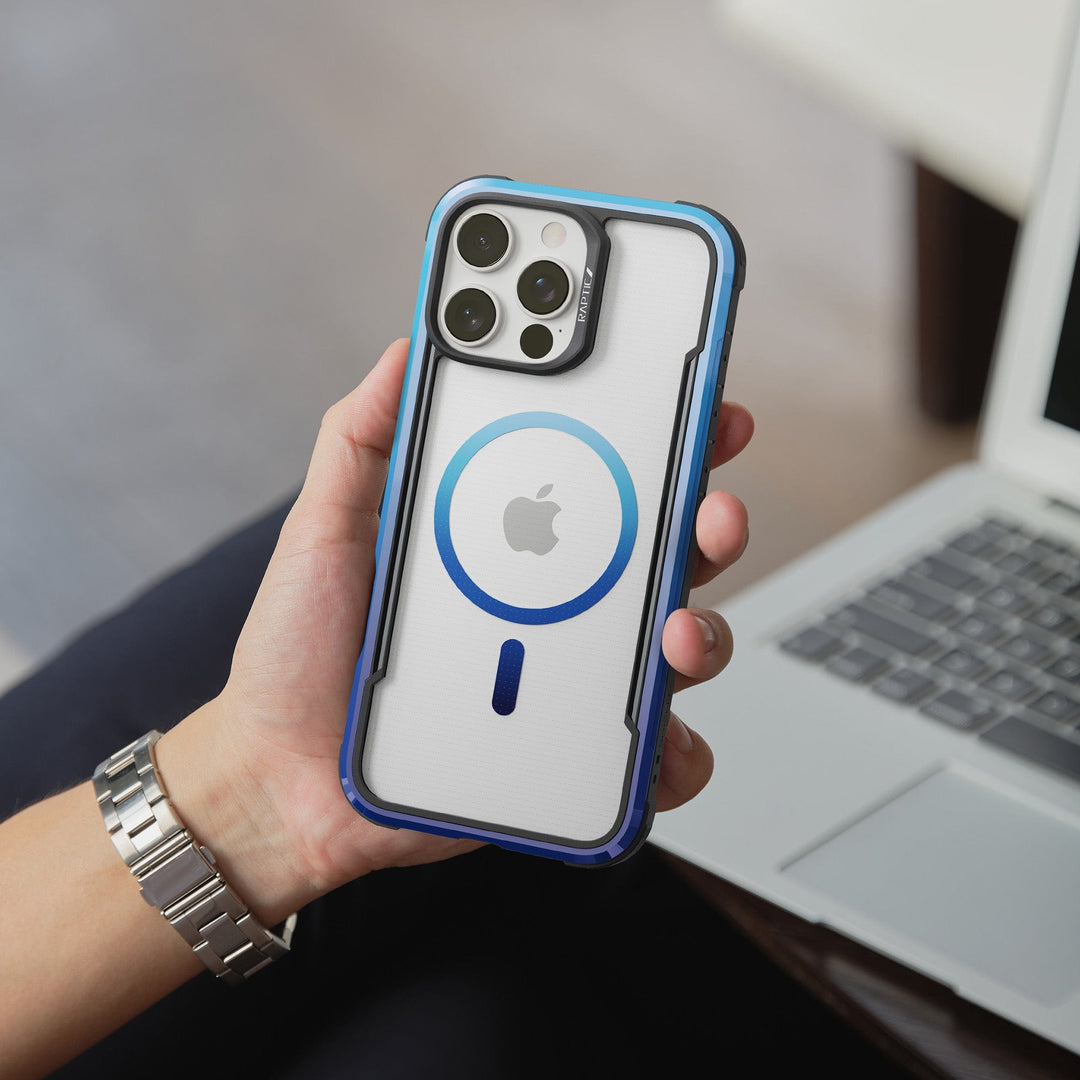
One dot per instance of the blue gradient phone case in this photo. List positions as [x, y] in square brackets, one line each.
[552, 446]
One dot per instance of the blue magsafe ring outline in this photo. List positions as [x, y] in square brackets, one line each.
[627, 533]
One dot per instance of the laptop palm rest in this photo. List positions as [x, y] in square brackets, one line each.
[960, 865]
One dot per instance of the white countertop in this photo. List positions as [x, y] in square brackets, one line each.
[969, 87]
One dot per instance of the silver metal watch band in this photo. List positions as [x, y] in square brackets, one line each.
[176, 873]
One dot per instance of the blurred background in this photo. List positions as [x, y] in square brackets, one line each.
[212, 218]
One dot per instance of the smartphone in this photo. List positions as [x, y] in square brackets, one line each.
[552, 446]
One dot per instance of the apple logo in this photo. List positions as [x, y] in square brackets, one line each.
[527, 522]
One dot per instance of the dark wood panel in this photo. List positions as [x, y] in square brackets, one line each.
[963, 250]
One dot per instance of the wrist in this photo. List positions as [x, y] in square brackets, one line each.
[207, 778]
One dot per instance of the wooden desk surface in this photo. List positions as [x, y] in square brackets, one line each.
[919, 1023]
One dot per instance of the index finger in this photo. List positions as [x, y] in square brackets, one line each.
[734, 427]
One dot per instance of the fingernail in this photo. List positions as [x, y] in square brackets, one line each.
[679, 735]
[708, 632]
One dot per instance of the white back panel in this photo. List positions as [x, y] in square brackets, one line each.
[556, 765]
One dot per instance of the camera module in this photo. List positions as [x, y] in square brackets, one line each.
[483, 240]
[543, 287]
[470, 315]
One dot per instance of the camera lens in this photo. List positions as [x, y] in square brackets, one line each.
[543, 287]
[470, 315]
[482, 240]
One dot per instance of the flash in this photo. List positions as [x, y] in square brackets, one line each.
[553, 234]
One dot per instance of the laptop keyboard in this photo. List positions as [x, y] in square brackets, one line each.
[981, 633]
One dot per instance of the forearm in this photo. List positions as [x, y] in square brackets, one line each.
[81, 953]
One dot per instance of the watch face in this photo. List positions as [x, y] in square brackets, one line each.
[535, 518]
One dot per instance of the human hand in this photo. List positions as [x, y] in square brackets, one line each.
[254, 773]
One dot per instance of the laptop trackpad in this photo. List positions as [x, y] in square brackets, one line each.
[976, 873]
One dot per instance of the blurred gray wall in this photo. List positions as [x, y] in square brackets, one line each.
[211, 221]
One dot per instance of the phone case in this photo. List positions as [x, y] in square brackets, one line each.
[511, 686]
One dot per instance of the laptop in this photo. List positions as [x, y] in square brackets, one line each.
[897, 739]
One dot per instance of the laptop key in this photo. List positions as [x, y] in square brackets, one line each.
[1015, 563]
[1043, 548]
[962, 664]
[1036, 744]
[980, 629]
[813, 643]
[1055, 619]
[899, 593]
[904, 685]
[1055, 706]
[944, 573]
[1067, 668]
[899, 636]
[972, 542]
[1005, 598]
[1061, 583]
[959, 709]
[1009, 685]
[999, 528]
[1037, 572]
[857, 664]
[1025, 649]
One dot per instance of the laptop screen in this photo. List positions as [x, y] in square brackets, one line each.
[1063, 401]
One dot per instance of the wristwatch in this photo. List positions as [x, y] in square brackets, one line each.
[176, 873]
